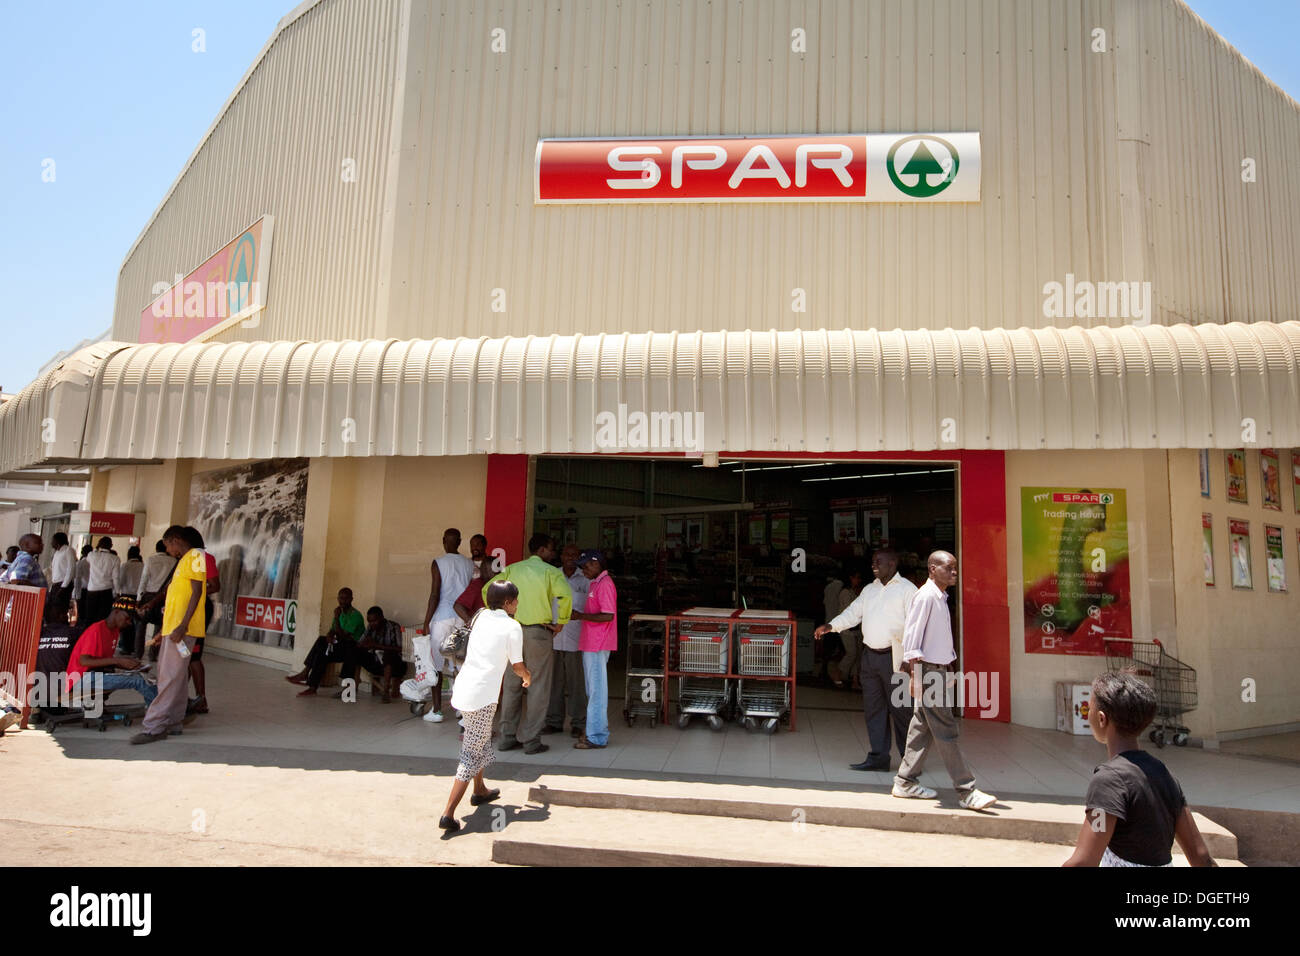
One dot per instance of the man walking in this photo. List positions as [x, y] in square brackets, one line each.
[567, 680]
[449, 576]
[183, 621]
[539, 584]
[881, 609]
[928, 653]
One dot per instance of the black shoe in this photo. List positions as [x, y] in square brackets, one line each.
[536, 749]
[475, 800]
[509, 744]
[449, 824]
[552, 730]
[870, 765]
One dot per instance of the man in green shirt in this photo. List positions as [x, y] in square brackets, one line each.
[545, 603]
[345, 630]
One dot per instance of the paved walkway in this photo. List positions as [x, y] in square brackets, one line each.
[257, 720]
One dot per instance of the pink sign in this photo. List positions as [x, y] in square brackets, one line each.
[229, 286]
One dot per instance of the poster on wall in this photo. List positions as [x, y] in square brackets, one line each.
[1295, 478]
[1205, 472]
[1239, 551]
[781, 530]
[251, 518]
[673, 529]
[877, 528]
[844, 527]
[608, 534]
[1074, 548]
[1276, 562]
[1271, 476]
[694, 534]
[1236, 468]
[1207, 547]
[757, 529]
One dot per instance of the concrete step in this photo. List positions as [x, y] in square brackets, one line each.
[572, 836]
[1033, 820]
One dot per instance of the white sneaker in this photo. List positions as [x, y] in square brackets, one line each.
[976, 799]
[433, 717]
[914, 791]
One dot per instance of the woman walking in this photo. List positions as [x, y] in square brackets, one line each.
[495, 641]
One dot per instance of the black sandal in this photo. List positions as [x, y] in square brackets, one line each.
[475, 800]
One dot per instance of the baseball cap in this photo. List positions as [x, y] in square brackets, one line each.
[590, 555]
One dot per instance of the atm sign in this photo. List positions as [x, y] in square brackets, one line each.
[277, 615]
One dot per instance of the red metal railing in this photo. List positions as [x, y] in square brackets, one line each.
[21, 609]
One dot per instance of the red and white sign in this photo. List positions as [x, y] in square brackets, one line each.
[105, 522]
[855, 167]
[261, 613]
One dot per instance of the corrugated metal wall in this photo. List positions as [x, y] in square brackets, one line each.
[1018, 71]
[1223, 249]
[322, 93]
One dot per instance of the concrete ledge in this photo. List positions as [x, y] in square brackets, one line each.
[1033, 821]
[527, 853]
[1264, 837]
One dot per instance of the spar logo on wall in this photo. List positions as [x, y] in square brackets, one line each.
[858, 167]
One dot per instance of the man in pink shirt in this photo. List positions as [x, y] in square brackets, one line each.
[599, 637]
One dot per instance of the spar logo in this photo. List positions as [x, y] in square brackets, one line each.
[922, 166]
[1083, 498]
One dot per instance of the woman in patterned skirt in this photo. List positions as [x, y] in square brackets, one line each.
[496, 640]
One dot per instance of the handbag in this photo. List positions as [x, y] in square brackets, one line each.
[455, 645]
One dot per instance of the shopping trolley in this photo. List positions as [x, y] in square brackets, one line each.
[702, 647]
[763, 651]
[1173, 681]
[645, 662]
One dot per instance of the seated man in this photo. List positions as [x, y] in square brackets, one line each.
[338, 645]
[379, 651]
[96, 648]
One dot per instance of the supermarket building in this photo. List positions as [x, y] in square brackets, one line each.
[1028, 284]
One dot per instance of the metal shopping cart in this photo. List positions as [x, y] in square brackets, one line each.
[763, 651]
[1173, 681]
[702, 647]
[645, 668]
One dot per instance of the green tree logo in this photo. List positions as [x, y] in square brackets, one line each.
[922, 165]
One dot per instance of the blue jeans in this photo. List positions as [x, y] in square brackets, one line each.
[597, 681]
[90, 683]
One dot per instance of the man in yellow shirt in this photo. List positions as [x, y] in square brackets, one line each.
[545, 604]
[183, 621]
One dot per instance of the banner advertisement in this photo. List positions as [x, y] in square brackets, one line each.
[1076, 570]
[1236, 466]
[1205, 472]
[1239, 549]
[845, 527]
[1207, 546]
[251, 519]
[1295, 478]
[1276, 562]
[877, 528]
[1271, 475]
[757, 529]
[781, 530]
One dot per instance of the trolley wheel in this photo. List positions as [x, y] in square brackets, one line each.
[715, 722]
[1159, 738]
[126, 721]
[630, 720]
[416, 708]
[1152, 736]
[751, 724]
[769, 725]
[654, 720]
[103, 725]
[683, 721]
[1180, 740]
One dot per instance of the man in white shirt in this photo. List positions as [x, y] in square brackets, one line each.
[153, 583]
[928, 655]
[80, 577]
[101, 577]
[63, 566]
[449, 576]
[881, 609]
[567, 677]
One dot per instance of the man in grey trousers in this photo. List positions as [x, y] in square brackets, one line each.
[567, 683]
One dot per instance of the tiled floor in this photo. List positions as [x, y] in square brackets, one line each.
[253, 707]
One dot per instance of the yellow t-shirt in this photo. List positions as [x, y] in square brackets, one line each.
[192, 566]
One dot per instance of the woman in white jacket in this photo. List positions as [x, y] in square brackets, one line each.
[495, 641]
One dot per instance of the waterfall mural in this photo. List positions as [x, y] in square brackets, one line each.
[251, 518]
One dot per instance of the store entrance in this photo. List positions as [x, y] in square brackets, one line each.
[751, 533]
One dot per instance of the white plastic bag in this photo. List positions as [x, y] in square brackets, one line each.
[426, 670]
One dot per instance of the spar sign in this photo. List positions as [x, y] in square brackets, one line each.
[858, 167]
[278, 615]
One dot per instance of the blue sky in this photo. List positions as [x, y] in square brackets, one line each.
[115, 95]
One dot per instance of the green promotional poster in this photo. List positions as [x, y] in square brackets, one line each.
[1074, 544]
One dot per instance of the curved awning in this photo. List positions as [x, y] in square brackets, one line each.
[1179, 386]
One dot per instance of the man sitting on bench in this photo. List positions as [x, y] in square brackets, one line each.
[97, 648]
[379, 651]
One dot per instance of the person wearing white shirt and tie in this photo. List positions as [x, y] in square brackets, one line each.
[881, 609]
